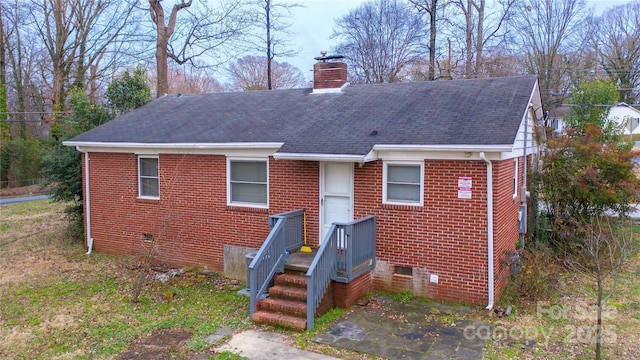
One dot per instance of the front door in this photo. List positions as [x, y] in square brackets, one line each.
[336, 195]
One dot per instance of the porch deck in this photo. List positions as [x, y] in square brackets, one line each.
[300, 261]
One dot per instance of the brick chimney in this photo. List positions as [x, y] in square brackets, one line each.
[329, 73]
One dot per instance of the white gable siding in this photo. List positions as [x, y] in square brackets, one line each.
[626, 116]
[532, 115]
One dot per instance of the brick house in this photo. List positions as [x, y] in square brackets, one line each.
[438, 164]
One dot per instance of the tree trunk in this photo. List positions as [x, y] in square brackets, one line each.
[432, 40]
[162, 66]
[164, 32]
[5, 129]
[162, 43]
[468, 41]
[267, 9]
[448, 75]
[60, 72]
[599, 317]
[3, 81]
[15, 58]
[479, 38]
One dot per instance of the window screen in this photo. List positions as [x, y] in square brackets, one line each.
[149, 179]
[403, 183]
[248, 182]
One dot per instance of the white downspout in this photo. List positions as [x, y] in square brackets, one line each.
[87, 199]
[523, 189]
[489, 228]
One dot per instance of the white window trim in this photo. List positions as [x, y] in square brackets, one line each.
[140, 196]
[515, 177]
[384, 182]
[245, 204]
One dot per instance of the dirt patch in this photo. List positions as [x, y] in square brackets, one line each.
[163, 344]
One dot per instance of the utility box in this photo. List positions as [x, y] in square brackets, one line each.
[249, 258]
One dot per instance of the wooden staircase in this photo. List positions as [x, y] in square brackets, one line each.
[286, 305]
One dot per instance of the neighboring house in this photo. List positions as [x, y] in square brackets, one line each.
[626, 116]
[438, 164]
[555, 120]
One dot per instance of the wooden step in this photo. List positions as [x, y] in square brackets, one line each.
[282, 320]
[284, 306]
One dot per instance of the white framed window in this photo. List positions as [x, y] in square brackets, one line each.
[247, 182]
[403, 183]
[148, 177]
[515, 177]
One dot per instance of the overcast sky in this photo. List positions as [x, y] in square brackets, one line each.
[313, 24]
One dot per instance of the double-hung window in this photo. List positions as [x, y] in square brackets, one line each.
[403, 183]
[247, 182]
[148, 177]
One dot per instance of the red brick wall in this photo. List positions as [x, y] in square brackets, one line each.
[345, 295]
[295, 185]
[191, 220]
[446, 237]
[506, 226]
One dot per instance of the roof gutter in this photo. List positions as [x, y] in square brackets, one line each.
[174, 145]
[87, 200]
[322, 157]
[84, 146]
[489, 230]
[463, 148]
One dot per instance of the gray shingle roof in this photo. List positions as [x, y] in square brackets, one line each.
[460, 112]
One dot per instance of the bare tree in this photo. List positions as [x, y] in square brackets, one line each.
[378, 39]
[104, 27]
[549, 34]
[271, 35]
[432, 9]
[164, 30]
[5, 128]
[483, 26]
[418, 70]
[76, 35]
[24, 61]
[249, 73]
[500, 63]
[601, 253]
[617, 46]
[202, 30]
[192, 80]
[3, 65]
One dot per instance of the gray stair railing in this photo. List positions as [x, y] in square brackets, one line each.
[357, 252]
[294, 233]
[323, 268]
[348, 249]
[286, 233]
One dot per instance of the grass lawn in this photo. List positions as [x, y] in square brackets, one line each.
[563, 326]
[59, 303]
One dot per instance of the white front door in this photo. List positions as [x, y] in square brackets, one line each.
[336, 195]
